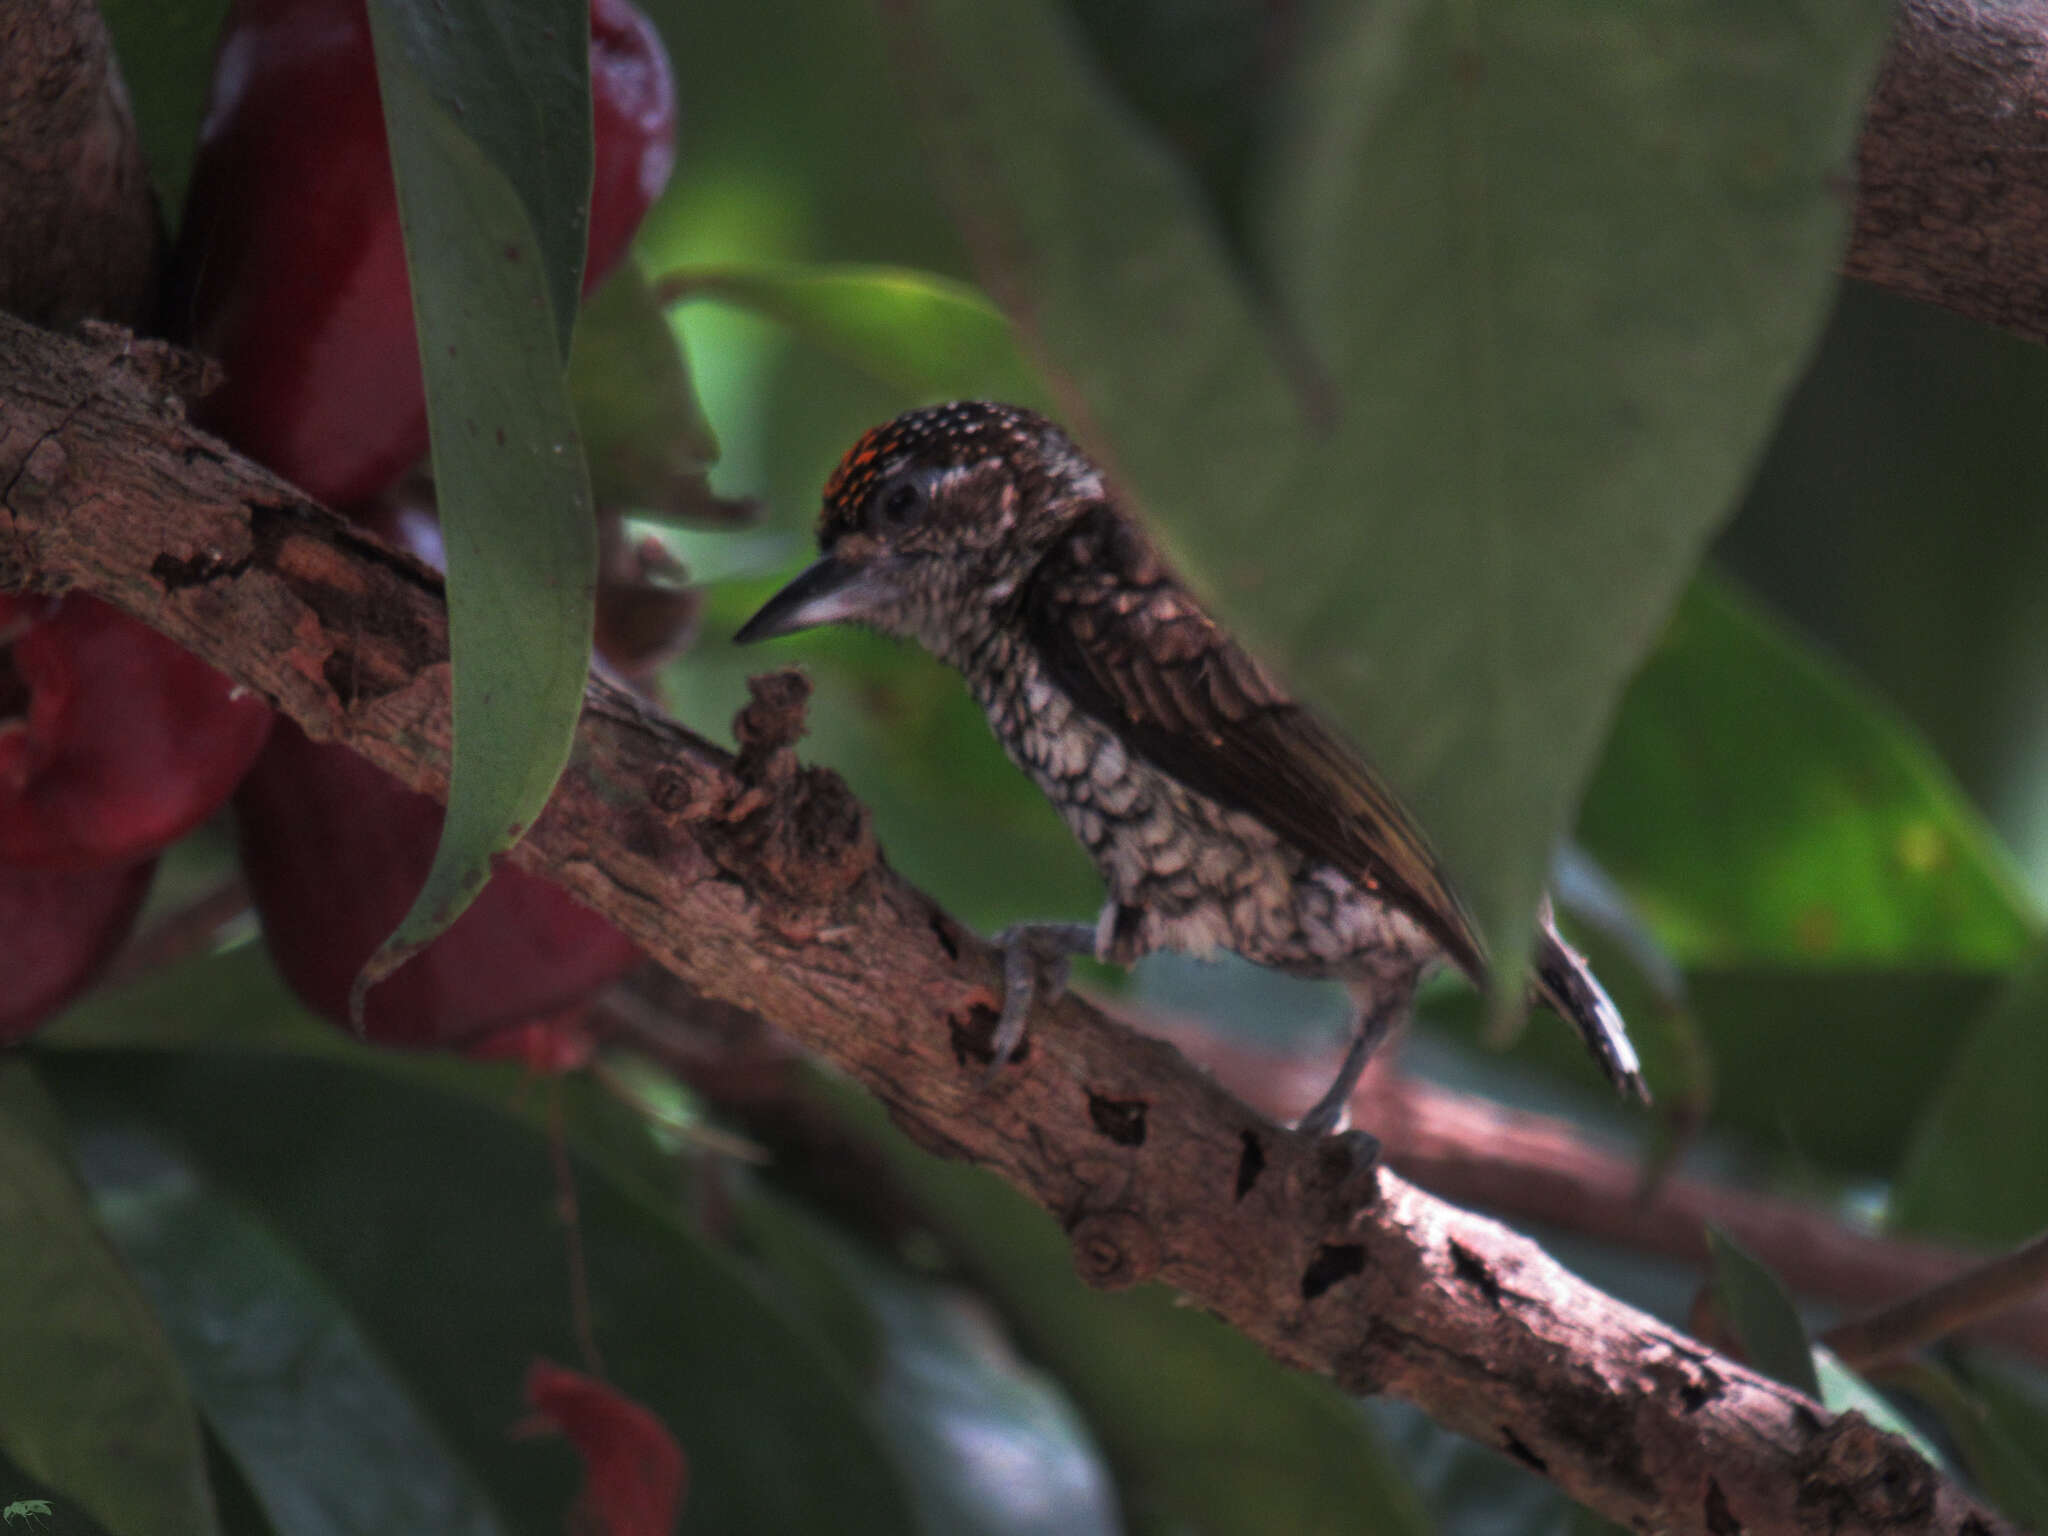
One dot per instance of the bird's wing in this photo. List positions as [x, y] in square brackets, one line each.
[1131, 647]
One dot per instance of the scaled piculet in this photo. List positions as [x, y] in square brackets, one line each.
[1221, 813]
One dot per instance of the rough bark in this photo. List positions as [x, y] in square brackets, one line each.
[1535, 1167]
[1952, 195]
[79, 233]
[758, 882]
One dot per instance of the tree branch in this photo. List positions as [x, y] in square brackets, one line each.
[79, 233]
[1952, 195]
[758, 882]
[1989, 1290]
[1538, 1167]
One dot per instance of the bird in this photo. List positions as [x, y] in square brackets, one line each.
[1221, 812]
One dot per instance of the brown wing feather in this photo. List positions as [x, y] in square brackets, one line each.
[1133, 649]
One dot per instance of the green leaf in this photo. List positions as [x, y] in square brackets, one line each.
[1211, 1435]
[165, 49]
[991, 1445]
[232, 998]
[2001, 1422]
[1978, 1165]
[490, 204]
[1762, 807]
[927, 336]
[1206, 74]
[91, 1402]
[1891, 521]
[645, 435]
[1830, 1067]
[510, 79]
[1469, 1487]
[431, 1218]
[1764, 1318]
[326, 1437]
[1547, 271]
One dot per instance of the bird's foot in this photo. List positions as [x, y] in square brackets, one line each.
[1352, 1152]
[1377, 1019]
[1035, 961]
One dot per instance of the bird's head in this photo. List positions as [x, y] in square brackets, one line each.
[932, 520]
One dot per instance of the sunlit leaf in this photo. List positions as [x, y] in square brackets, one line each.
[1890, 519]
[645, 435]
[1763, 808]
[926, 335]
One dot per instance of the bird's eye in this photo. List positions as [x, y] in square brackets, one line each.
[899, 505]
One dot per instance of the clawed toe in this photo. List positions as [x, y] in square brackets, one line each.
[1036, 959]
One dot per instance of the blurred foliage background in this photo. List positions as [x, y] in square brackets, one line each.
[1811, 760]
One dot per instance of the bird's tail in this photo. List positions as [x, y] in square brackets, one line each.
[1566, 983]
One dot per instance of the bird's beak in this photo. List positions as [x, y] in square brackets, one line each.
[830, 591]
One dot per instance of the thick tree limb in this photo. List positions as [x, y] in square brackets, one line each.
[1952, 195]
[79, 234]
[758, 882]
[1537, 1167]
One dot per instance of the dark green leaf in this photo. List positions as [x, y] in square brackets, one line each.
[1978, 1165]
[1762, 808]
[486, 207]
[1210, 1435]
[325, 1435]
[511, 79]
[66, 1516]
[234, 998]
[1205, 74]
[165, 49]
[91, 1402]
[927, 336]
[2000, 1419]
[988, 1444]
[644, 432]
[1549, 269]
[1764, 1318]
[1832, 1067]
[429, 1217]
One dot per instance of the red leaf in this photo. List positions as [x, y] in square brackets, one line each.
[633, 1470]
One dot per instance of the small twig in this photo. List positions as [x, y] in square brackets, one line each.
[1992, 1289]
[566, 1207]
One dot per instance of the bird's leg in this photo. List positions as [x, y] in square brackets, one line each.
[1035, 957]
[1380, 1010]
